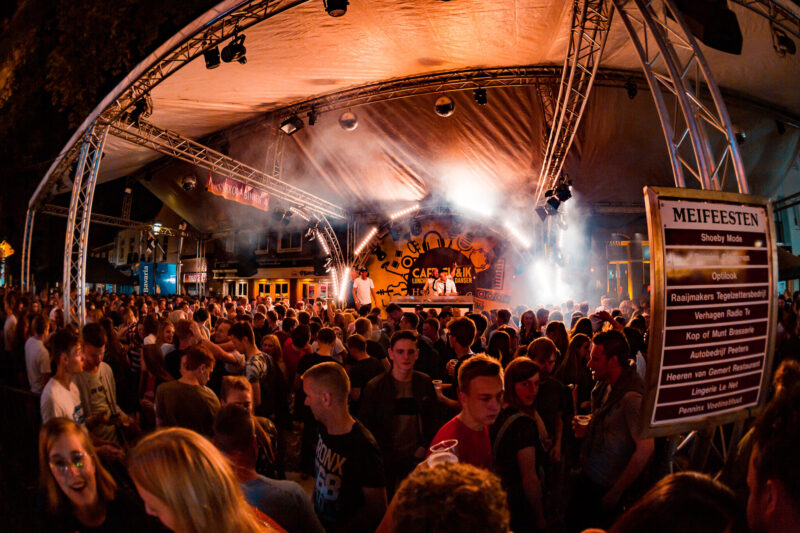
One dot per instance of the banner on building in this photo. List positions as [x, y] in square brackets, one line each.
[238, 192]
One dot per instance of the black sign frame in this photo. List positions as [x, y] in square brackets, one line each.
[658, 320]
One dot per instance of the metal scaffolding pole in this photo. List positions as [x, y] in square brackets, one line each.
[80, 211]
[26, 250]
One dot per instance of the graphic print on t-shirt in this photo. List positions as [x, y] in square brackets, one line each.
[329, 466]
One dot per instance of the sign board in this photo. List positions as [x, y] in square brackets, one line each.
[146, 278]
[713, 272]
[238, 192]
[194, 277]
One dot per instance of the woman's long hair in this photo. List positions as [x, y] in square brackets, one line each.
[518, 370]
[57, 502]
[571, 367]
[191, 477]
[557, 332]
[500, 347]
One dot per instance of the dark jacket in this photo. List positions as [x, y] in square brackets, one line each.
[377, 408]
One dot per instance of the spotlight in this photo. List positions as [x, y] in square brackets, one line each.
[551, 205]
[740, 134]
[312, 117]
[480, 97]
[336, 8]
[444, 106]
[286, 219]
[142, 108]
[564, 191]
[631, 89]
[211, 55]
[542, 212]
[235, 50]
[291, 125]
[189, 183]
[348, 121]
[782, 43]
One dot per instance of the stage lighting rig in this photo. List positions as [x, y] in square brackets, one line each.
[292, 125]
[336, 8]
[631, 89]
[235, 50]
[782, 43]
[480, 96]
[563, 190]
[444, 106]
[211, 56]
[189, 183]
[312, 117]
[142, 108]
[552, 203]
[348, 121]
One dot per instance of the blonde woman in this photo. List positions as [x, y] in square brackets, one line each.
[189, 485]
[81, 494]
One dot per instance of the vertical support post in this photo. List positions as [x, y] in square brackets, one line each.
[80, 211]
[178, 284]
[26, 249]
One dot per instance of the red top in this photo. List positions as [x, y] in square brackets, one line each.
[474, 447]
[291, 357]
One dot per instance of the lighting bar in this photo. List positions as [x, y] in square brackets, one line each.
[323, 243]
[524, 241]
[365, 240]
[335, 283]
[404, 212]
[300, 213]
[343, 287]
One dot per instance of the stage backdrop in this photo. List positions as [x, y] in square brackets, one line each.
[400, 264]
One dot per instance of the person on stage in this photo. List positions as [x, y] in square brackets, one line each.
[364, 290]
[445, 286]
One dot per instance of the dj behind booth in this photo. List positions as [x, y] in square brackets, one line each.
[439, 291]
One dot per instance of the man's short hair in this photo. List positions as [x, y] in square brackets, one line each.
[480, 322]
[63, 342]
[614, 344]
[475, 367]
[94, 335]
[38, 324]
[196, 356]
[462, 329]
[392, 307]
[243, 330]
[433, 323]
[300, 336]
[777, 439]
[356, 342]
[326, 336]
[451, 498]
[272, 316]
[403, 334]
[234, 429]
[280, 310]
[504, 315]
[303, 317]
[373, 319]
[234, 383]
[259, 316]
[332, 378]
[200, 315]
[288, 324]
[412, 319]
[364, 310]
[363, 326]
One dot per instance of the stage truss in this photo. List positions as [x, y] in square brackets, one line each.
[658, 40]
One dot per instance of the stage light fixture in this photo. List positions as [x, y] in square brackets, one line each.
[142, 108]
[564, 191]
[336, 8]
[298, 213]
[348, 121]
[444, 106]
[235, 50]
[365, 240]
[782, 43]
[480, 96]
[631, 89]
[343, 286]
[312, 117]
[211, 56]
[292, 125]
[780, 126]
[403, 212]
[542, 212]
[740, 134]
[551, 205]
[310, 234]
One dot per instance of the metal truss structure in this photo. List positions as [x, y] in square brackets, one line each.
[117, 222]
[673, 63]
[777, 14]
[240, 16]
[26, 249]
[80, 211]
[591, 21]
[179, 147]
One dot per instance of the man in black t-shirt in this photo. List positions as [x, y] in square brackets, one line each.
[350, 492]
[362, 369]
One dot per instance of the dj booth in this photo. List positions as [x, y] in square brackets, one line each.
[409, 303]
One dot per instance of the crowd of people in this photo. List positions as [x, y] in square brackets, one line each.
[194, 410]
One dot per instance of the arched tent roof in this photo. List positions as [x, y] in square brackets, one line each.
[403, 151]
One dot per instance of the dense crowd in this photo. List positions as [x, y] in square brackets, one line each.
[194, 410]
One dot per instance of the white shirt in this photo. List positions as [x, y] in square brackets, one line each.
[444, 287]
[363, 290]
[58, 402]
[37, 363]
